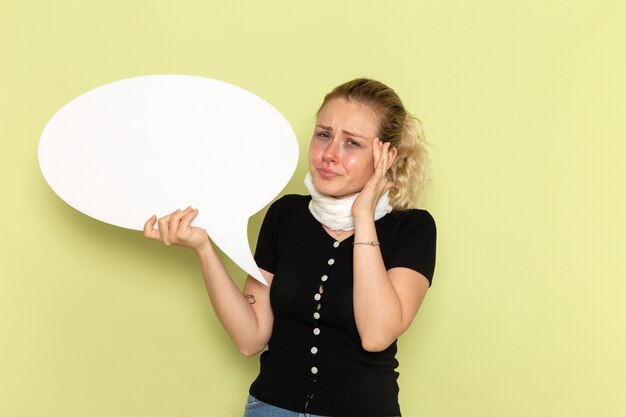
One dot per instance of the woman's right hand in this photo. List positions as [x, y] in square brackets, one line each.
[249, 325]
[175, 229]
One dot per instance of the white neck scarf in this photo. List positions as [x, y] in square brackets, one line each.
[336, 213]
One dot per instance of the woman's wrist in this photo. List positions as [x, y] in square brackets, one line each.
[204, 248]
[363, 217]
[365, 229]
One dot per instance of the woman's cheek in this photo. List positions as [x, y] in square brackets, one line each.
[314, 151]
[356, 158]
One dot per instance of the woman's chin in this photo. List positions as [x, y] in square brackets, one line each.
[334, 192]
[332, 188]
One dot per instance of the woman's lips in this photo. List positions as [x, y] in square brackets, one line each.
[326, 173]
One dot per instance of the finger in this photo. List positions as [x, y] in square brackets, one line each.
[389, 185]
[164, 229]
[175, 223]
[385, 152]
[173, 226]
[376, 151]
[148, 229]
[183, 214]
[382, 159]
[382, 168]
[385, 156]
[186, 220]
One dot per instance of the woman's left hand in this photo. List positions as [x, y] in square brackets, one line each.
[365, 204]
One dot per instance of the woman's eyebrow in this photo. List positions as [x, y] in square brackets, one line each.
[347, 132]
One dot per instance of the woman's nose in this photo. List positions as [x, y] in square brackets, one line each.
[330, 153]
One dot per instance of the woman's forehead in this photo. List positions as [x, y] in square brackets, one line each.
[348, 115]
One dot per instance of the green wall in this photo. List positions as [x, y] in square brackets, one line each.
[524, 104]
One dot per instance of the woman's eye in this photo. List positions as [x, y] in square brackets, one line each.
[353, 142]
[323, 135]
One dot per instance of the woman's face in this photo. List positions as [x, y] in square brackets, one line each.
[341, 158]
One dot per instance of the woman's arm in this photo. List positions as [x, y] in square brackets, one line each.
[385, 302]
[248, 318]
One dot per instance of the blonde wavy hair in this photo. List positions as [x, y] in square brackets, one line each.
[411, 169]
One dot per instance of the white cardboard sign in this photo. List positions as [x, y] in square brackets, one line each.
[153, 144]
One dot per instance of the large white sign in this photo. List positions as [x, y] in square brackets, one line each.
[153, 144]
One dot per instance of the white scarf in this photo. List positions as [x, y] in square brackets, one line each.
[336, 213]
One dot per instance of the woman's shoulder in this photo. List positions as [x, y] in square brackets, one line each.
[290, 204]
[294, 199]
[417, 217]
[409, 224]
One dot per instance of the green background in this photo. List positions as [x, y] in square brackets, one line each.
[524, 104]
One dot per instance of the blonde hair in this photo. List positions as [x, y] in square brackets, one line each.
[410, 171]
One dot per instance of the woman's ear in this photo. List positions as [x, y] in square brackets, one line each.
[393, 152]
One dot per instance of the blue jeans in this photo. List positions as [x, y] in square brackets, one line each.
[257, 408]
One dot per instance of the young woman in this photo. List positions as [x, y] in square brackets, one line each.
[348, 266]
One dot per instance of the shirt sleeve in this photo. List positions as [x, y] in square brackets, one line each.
[416, 247]
[265, 254]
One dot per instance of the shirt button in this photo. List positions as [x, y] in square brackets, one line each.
[314, 350]
[316, 315]
[336, 244]
[316, 331]
[331, 261]
[324, 278]
[314, 370]
[317, 297]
